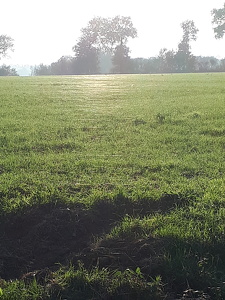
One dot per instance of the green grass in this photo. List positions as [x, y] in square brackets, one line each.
[145, 150]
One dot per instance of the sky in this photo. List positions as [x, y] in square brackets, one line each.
[45, 30]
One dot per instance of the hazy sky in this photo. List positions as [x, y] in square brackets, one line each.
[45, 30]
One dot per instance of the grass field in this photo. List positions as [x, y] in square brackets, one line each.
[112, 187]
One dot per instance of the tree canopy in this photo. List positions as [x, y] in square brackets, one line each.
[219, 20]
[6, 44]
[107, 33]
[102, 35]
[189, 34]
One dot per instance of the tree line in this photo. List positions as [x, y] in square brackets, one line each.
[102, 48]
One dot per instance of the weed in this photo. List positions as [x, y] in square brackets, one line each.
[160, 118]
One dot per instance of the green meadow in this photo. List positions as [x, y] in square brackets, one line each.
[112, 187]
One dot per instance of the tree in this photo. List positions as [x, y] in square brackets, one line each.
[189, 32]
[102, 35]
[6, 44]
[107, 33]
[167, 62]
[140, 65]
[219, 20]
[86, 57]
[184, 59]
[7, 71]
[41, 70]
[121, 60]
[64, 66]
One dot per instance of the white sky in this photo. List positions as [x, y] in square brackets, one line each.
[45, 30]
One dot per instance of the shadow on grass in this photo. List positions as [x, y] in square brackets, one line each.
[41, 238]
